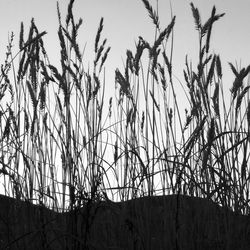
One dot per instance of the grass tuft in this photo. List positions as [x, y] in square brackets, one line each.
[65, 147]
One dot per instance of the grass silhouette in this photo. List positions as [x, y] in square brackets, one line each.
[78, 169]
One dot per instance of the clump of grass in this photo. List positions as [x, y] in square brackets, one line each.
[56, 142]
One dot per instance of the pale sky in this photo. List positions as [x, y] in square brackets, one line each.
[125, 20]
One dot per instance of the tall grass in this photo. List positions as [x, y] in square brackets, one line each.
[59, 147]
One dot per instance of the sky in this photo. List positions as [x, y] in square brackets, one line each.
[125, 20]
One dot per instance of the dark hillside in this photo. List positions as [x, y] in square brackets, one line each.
[169, 222]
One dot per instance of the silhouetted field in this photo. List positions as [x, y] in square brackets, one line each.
[64, 146]
[163, 222]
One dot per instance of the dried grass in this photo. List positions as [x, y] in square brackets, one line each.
[59, 148]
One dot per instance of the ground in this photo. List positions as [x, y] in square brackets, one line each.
[162, 222]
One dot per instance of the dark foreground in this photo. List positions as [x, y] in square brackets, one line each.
[146, 223]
